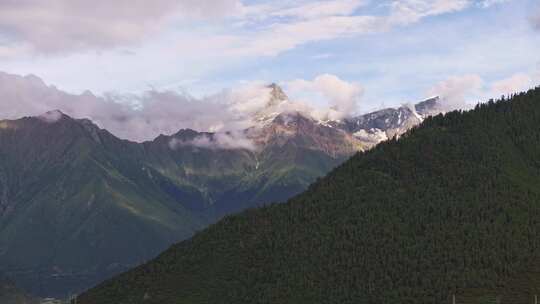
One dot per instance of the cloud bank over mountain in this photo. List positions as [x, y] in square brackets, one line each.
[144, 116]
[136, 117]
[127, 46]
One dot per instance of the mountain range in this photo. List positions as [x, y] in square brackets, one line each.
[447, 213]
[78, 204]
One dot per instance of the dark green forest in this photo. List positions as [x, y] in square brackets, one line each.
[452, 207]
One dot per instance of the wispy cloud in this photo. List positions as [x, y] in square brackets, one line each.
[231, 140]
[489, 3]
[266, 29]
[269, 30]
[394, 48]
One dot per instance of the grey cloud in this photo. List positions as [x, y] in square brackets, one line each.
[141, 117]
[51, 116]
[135, 117]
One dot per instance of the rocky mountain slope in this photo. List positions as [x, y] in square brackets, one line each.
[78, 204]
[372, 128]
[451, 208]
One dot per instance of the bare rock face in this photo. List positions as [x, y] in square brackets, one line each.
[300, 131]
[372, 128]
[276, 95]
[335, 137]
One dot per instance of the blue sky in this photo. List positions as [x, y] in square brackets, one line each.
[396, 51]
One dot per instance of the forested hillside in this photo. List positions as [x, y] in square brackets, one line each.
[451, 207]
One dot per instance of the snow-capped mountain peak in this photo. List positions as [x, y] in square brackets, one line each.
[275, 106]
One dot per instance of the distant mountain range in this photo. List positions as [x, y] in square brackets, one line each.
[78, 204]
[447, 213]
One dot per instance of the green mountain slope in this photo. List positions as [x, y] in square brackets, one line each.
[452, 207]
[78, 205]
[292, 152]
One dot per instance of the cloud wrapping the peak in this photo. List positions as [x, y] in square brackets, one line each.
[456, 91]
[51, 116]
[343, 97]
[144, 116]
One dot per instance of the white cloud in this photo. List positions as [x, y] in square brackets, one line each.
[317, 9]
[79, 25]
[456, 92]
[269, 30]
[322, 56]
[536, 75]
[409, 11]
[343, 97]
[535, 19]
[218, 141]
[266, 29]
[462, 92]
[489, 3]
[144, 116]
[516, 83]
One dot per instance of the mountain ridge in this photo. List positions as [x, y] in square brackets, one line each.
[448, 209]
[80, 182]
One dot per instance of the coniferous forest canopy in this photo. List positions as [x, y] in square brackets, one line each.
[453, 207]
